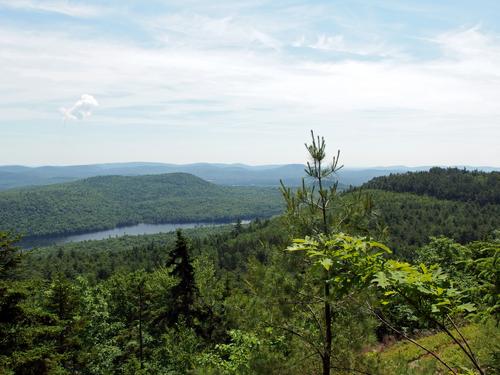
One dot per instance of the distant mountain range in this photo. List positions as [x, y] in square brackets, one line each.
[223, 174]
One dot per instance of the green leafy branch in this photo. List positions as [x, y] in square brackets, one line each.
[430, 293]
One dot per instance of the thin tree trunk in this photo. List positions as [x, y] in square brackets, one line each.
[140, 325]
[328, 333]
[328, 310]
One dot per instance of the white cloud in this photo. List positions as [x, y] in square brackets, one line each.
[240, 79]
[195, 82]
[63, 64]
[53, 6]
[81, 109]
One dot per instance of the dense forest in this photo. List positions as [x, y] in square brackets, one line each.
[249, 287]
[456, 203]
[412, 219]
[444, 183]
[110, 201]
[374, 281]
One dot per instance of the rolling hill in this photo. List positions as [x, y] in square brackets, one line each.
[108, 201]
[460, 204]
[222, 174]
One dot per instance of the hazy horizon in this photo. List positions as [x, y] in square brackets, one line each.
[394, 166]
[412, 83]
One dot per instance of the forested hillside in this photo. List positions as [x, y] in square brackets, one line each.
[110, 201]
[166, 208]
[100, 259]
[315, 290]
[460, 204]
[444, 183]
[223, 174]
[412, 219]
[251, 302]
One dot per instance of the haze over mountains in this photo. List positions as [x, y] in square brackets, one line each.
[223, 174]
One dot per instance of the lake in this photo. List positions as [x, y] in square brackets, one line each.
[132, 230]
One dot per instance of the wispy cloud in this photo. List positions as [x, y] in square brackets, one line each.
[194, 30]
[241, 80]
[239, 73]
[53, 6]
[337, 43]
[469, 44]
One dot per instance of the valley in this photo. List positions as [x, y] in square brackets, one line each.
[243, 272]
[249, 187]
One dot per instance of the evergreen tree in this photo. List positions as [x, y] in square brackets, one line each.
[130, 301]
[27, 331]
[184, 292]
[9, 254]
[63, 303]
[237, 228]
[317, 209]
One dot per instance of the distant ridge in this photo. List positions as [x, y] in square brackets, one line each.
[105, 202]
[444, 183]
[237, 174]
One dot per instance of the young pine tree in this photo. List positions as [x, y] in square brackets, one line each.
[318, 211]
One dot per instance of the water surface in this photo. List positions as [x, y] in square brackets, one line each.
[132, 230]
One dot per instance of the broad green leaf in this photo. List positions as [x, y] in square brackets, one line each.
[381, 280]
[326, 263]
[469, 307]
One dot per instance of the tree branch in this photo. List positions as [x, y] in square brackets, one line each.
[412, 341]
[302, 337]
[462, 336]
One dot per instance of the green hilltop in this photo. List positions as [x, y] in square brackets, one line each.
[108, 201]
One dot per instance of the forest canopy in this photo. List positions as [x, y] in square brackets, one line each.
[365, 281]
[109, 201]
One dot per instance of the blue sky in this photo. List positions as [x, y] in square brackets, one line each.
[387, 82]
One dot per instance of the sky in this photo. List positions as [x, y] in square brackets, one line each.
[388, 82]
